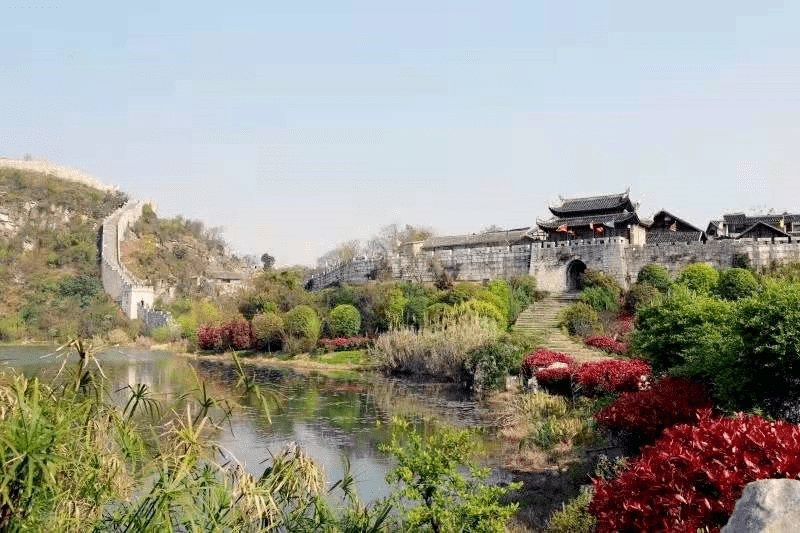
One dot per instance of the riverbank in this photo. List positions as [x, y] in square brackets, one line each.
[350, 361]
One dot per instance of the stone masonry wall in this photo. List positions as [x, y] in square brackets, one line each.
[464, 264]
[549, 261]
[130, 293]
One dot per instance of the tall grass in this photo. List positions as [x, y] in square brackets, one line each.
[73, 460]
[440, 350]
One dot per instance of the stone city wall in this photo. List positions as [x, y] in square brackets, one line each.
[129, 292]
[549, 261]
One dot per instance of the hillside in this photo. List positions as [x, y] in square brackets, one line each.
[178, 254]
[49, 275]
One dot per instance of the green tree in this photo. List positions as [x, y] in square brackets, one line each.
[344, 321]
[268, 330]
[434, 495]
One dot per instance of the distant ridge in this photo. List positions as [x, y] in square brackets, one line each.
[64, 173]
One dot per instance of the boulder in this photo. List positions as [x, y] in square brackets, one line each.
[767, 506]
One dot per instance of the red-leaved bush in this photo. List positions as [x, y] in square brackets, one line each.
[607, 344]
[621, 327]
[543, 358]
[236, 335]
[209, 337]
[612, 375]
[344, 343]
[692, 476]
[645, 414]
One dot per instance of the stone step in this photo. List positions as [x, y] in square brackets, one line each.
[541, 319]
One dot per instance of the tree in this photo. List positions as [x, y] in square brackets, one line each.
[267, 260]
[434, 495]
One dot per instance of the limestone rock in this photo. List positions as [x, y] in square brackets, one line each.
[767, 506]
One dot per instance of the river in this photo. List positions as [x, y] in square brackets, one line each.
[330, 416]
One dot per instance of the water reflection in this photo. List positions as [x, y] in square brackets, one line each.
[329, 417]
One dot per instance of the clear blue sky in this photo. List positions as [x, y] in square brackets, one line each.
[302, 123]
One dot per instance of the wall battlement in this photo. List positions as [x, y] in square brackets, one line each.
[133, 295]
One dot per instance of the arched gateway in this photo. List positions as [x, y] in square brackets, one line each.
[575, 270]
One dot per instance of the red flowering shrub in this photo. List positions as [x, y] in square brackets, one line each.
[647, 413]
[209, 337]
[692, 476]
[543, 358]
[607, 344]
[612, 375]
[556, 380]
[344, 343]
[237, 335]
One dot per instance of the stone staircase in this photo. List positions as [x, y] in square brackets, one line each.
[541, 320]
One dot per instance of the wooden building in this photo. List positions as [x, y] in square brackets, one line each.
[734, 225]
[667, 228]
[593, 217]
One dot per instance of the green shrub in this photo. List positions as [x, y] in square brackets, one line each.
[596, 278]
[641, 295]
[491, 363]
[166, 333]
[435, 493]
[700, 277]
[268, 331]
[736, 283]
[686, 327]
[768, 325]
[438, 313]
[523, 294]
[481, 309]
[344, 321]
[415, 312]
[458, 294]
[302, 322]
[656, 275]
[574, 517]
[393, 308]
[502, 291]
[497, 302]
[600, 298]
[579, 319]
[12, 328]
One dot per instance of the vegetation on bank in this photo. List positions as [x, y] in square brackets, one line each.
[73, 460]
[720, 344]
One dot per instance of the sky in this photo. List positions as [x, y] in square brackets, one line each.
[299, 124]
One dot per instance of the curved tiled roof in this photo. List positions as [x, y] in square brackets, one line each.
[661, 237]
[604, 203]
[512, 236]
[608, 219]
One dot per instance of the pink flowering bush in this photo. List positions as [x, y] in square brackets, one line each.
[344, 343]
